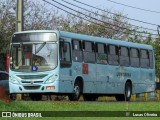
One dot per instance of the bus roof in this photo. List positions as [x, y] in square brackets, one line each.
[104, 40]
[92, 38]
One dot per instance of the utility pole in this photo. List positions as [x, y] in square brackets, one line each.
[158, 29]
[19, 27]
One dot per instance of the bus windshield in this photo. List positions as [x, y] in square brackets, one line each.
[27, 57]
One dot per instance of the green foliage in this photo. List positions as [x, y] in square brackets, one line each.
[7, 24]
[156, 46]
[80, 106]
[39, 16]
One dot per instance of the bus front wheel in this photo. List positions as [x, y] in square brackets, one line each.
[76, 92]
[127, 93]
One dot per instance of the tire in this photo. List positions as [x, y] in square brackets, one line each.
[127, 93]
[89, 97]
[76, 92]
[35, 96]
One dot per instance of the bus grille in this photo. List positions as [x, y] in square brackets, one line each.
[24, 81]
[31, 87]
[32, 76]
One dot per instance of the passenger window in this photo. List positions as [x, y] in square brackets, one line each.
[76, 45]
[89, 52]
[65, 54]
[113, 52]
[134, 57]
[77, 51]
[88, 46]
[100, 48]
[144, 59]
[151, 59]
[101, 54]
[124, 56]
[134, 53]
[144, 54]
[124, 51]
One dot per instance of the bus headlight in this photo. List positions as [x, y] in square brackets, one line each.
[14, 80]
[51, 79]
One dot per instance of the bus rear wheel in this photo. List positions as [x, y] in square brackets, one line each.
[127, 93]
[76, 92]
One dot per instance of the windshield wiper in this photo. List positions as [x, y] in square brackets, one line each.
[40, 47]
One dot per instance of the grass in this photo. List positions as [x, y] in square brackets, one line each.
[80, 106]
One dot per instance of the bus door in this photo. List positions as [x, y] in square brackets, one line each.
[66, 82]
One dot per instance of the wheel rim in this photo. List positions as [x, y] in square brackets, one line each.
[128, 92]
[77, 91]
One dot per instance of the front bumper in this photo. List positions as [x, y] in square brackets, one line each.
[33, 88]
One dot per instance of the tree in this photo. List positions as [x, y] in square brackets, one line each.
[101, 24]
[7, 23]
[37, 16]
[156, 46]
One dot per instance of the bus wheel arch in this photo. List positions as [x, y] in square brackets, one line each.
[77, 90]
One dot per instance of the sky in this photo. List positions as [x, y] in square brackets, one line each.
[150, 17]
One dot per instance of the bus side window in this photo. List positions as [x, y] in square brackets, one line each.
[65, 54]
[151, 59]
[89, 52]
[134, 57]
[76, 51]
[113, 52]
[101, 54]
[144, 59]
[124, 56]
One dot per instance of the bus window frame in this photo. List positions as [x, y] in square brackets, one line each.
[146, 67]
[105, 52]
[93, 50]
[139, 66]
[108, 50]
[129, 64]
[151, 65]
[80, 50]
[64, 64]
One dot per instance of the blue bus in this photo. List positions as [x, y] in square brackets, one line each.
[58, 62]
